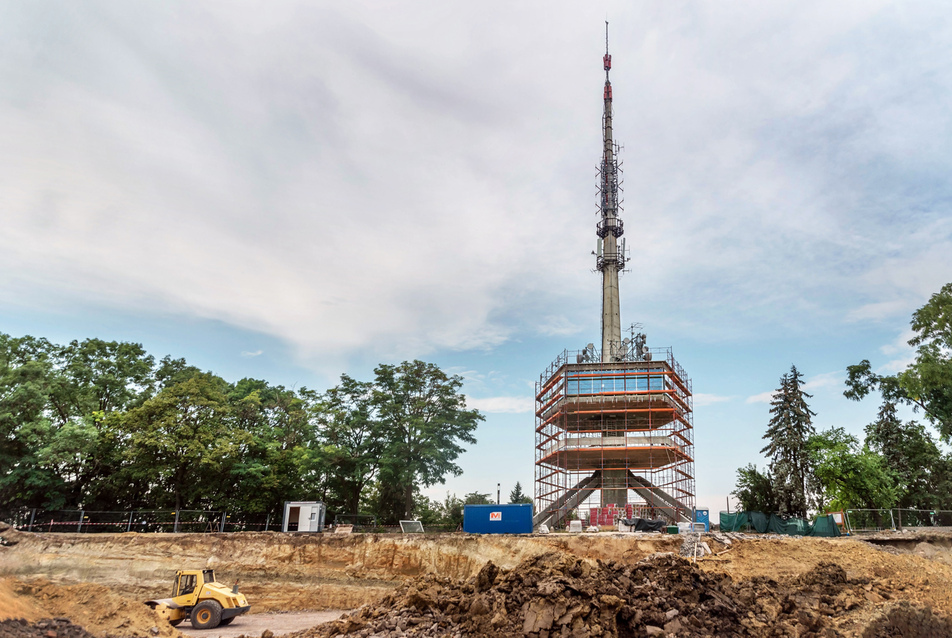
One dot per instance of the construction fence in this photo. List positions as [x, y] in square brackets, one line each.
[824, 525]
[862, 521]
[871, 521]
[177, 521]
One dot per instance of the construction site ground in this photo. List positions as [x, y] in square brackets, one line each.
[605, 584]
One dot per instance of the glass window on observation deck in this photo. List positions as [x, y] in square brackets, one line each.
[619, 381]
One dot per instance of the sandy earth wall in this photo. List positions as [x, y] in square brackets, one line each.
[293, 571]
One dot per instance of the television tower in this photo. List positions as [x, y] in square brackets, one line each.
[614, 438]
[610, 259]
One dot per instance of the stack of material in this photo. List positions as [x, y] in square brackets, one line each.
[640, 525]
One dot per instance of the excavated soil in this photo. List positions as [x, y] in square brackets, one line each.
[96, 608]
[562, 595]
[284, 572]
[53, 628]
[606, 584]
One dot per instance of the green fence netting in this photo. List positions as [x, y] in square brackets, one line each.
[760, 522]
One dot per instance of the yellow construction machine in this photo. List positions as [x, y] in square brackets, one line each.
[197, 596]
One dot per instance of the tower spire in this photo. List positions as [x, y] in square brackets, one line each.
[610, 258]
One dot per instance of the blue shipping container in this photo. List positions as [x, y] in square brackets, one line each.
[703, 516]
[498, 519]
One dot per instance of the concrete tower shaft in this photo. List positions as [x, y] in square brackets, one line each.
[611, 252]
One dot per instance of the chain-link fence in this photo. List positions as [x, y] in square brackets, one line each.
[178, 521]
[870, 521]
[91, 521]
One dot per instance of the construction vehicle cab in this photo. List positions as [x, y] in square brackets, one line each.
[206, 603]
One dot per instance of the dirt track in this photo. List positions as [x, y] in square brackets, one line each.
[98, 581]
[256, 624]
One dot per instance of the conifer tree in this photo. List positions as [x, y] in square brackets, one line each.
[518, 496]
[787, 432]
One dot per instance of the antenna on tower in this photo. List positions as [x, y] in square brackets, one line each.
[610, 258]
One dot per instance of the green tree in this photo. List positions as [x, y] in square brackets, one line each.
[280, 461]
[423, 420]
[518, 496]
[755, 490]
[850, 476]
[352, 441]
[475, 498]
[26, 369]
[99, 376]
[449, 513]
[177, 443]
[926, 383]
[912, 457]
[91, 379]
[787, 432]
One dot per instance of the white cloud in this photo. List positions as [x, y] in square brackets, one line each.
[701, 399]
[901, 352]
[256, 353]
[825, 380]
[510, 405]
[763, 397]
[822, 381]
[357, 182]
[558, 326]
[900, 345]
[878, 311]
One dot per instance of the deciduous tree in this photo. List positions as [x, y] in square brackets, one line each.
[926, 383]
[755, 490]
[352, 440]
[424, 421]
[850, 476]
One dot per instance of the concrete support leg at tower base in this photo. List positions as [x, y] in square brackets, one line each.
[614, 487]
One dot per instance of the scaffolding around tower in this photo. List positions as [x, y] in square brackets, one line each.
[614, 439]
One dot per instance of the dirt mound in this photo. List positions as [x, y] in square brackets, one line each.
[908, 620]
[13, 606]
[561, 595]
[56, 628]
[96, 608]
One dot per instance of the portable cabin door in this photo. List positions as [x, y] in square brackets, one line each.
[313, 523]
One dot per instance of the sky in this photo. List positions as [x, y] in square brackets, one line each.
[296, 190]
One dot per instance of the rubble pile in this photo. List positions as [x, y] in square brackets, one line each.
[561, 595]
[51, 628]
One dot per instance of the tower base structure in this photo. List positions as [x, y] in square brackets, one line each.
[614, 439]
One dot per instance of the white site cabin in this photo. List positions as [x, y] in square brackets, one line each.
[303, 516]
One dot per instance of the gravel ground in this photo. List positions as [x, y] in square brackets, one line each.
[255, 624]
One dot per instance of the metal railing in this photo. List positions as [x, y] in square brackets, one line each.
[177, 521]
[867, 521]
[173, 521]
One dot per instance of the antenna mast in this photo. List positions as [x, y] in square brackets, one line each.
[610, 259]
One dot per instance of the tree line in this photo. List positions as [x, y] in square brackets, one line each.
[101, 425]
[896, 464]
